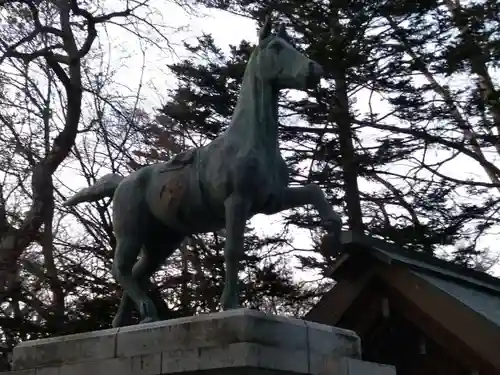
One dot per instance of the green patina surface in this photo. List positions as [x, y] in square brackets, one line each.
[222, 185]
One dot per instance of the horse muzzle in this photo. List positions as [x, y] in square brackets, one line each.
[315, 72]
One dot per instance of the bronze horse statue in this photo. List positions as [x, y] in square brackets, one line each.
[221, 185]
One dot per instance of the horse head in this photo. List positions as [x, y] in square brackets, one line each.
[281, 64]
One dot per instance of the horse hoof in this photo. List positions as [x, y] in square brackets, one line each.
[230, 307]
[118, 322]
[148, 320]
[330, 246]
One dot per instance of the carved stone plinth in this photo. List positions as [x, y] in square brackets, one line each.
[238, 342]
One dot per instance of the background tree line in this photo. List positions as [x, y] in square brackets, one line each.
[402, 135]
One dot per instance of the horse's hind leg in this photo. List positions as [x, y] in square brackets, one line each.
[141, 269]
[153, 256]
[127, 250]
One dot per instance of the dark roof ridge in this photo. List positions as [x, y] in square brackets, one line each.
[388, 253]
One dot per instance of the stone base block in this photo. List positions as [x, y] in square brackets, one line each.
[352, 366]
[233, 342]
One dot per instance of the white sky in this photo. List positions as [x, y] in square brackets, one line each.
[226, 29]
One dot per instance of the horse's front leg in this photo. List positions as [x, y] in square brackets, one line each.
[237, 210]
[312, 194]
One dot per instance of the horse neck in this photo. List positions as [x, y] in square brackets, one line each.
[255, 118]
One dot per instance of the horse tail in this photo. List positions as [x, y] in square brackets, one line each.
[104, 187]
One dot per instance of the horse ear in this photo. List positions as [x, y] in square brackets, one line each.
[282, 31]
[265, 31]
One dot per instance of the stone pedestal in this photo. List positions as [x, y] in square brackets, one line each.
[236, 342]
